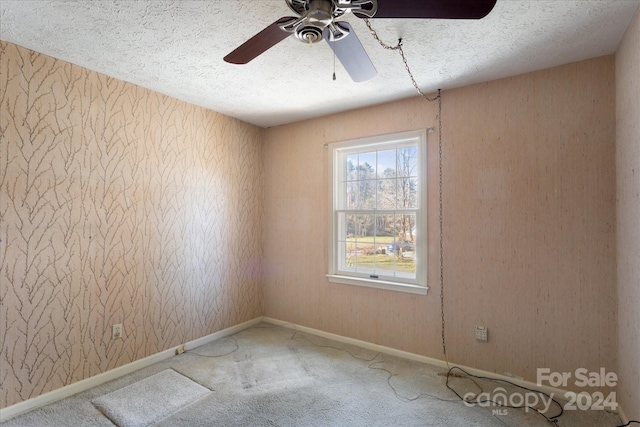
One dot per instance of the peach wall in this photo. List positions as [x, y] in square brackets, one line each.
[529, 211]
[117, 205]
[628, 216]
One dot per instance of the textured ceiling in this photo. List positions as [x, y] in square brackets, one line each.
[176, 48]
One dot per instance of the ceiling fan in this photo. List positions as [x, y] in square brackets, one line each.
[318, 20]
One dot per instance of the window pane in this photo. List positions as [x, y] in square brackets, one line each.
[351, 167]
[384, 259]
[386, 163]
[389, 173]
[385, 228]
[407, 162]
[364, 227]
[349, 224]
[385, 254]
[405, 225]
[365, 250]
[405, 263]
[367, 164]
[346, 253]
[407, 193]
[386, 198]
[367, 194]
[404, 244]
[351, 195]
[350, 257]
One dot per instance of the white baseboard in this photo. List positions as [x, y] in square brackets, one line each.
[556, 392]
[80, 386]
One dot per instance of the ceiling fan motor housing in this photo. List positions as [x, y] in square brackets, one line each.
[319, 16]
[316, 15]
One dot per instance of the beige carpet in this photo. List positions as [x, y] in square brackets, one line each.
[274, 376]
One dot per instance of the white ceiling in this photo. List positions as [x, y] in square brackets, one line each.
[176, 47]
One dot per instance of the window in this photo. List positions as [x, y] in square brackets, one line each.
[377, 222]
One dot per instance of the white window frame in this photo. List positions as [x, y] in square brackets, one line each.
[337, 151]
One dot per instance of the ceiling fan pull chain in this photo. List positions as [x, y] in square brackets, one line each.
[441, 223]
[398, 47]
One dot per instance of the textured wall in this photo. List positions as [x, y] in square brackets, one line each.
[529, 206]
[628, 216]
[118, 205]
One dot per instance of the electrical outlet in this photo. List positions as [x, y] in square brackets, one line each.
[482, 333]
[117, 331]
[180, 349]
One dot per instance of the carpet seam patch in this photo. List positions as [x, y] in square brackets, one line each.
[110, 404]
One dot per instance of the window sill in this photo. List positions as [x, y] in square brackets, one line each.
[379, 284]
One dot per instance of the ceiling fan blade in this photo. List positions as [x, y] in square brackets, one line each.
[260, 43]
[351, 54]
[443, 9]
